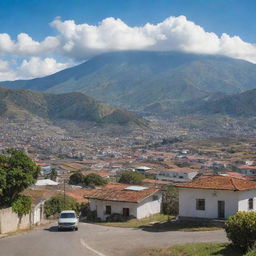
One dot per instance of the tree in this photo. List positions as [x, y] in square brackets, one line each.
[130, 177]
[241, 230]
[58, 203]
[76, 178]
[94, 179]
[53, 175]
[22, 205]
[17, 172]
[170, 203]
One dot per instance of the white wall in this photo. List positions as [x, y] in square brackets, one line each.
[187, 202]
[149, 206]
[174, 176]
[243, 199]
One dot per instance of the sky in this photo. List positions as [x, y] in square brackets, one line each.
[41, 37]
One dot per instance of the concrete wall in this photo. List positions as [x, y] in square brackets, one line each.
[149, 206]
[187, 202]
[10, 221]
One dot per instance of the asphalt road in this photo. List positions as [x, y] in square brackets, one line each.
[96, 240]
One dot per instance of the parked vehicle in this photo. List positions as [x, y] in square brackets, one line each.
[68, 220]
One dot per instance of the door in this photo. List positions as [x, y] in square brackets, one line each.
[221, 209]
[126, 212]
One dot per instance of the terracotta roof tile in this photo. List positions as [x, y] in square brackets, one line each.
[117, 192]
[219, 182]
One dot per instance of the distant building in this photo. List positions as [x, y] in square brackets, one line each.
[142, 169]
[177, 174]
[247, 169]
[128, 201]
[216, 197]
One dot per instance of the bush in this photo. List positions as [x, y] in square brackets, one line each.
[56, 204]
[241, 230]
[22, 205]
[170, 203]
[133, 178]
[94, 179]
[76, 178]
[116, 217]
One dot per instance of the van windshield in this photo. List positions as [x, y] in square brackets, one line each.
[67, 215]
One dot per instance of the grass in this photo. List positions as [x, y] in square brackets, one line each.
[201, 249]
[160, 222]
[135, 223]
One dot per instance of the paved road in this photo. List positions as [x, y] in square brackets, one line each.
[95, 240]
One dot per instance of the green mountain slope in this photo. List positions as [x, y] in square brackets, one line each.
[136, 79]
[70, 106]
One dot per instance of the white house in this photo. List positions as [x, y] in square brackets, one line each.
[216, 197]
[177, 174]
[136, 201]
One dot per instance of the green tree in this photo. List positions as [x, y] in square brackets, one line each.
[22, 205]
[94, 179]
[241, 230]
[76, 178]
[58, 203]
[130, 177]
[170, 203]
[18, 171]
[53, 175]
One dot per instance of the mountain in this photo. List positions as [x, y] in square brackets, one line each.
[238, 105]
[22, 104]
[141, 79]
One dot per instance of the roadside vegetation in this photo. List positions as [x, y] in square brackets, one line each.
[90, 180]
[17, 172]
[131, 177]
[201, 249]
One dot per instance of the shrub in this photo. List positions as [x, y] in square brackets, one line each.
[130, 177]
[56, 204]
[76, 178]
[241, 230]
[170, 203]
[22, 205]
[94, 179]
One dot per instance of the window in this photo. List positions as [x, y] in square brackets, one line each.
[108, 209]
[155, 197]
[250, 204]
[126, 212]
[200, 204]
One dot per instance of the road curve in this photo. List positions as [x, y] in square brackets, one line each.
[96, 240]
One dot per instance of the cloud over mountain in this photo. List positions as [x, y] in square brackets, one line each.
[77, 42]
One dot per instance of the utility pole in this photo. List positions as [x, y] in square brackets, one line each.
[64, 194]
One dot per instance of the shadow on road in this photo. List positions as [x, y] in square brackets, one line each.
[55, 229]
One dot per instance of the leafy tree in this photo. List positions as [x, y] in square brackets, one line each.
[53, 175]
[94, 179]
[22, 205]
[58, 203]
[76, 178]
[241, 230]
[130, 177]
[17, 172]
[170, 203]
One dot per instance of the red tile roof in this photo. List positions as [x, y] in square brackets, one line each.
[117, 192]
[219, 183]
[247, 167]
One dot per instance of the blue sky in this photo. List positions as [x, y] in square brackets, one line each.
[235, 17]
[34, 43]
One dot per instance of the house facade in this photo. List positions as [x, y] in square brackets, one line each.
[128, 201]
[247, 169]
[177, 175]
[216, 197]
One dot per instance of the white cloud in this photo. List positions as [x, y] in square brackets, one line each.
[34, 67]
[81, 41]
[174, 33]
